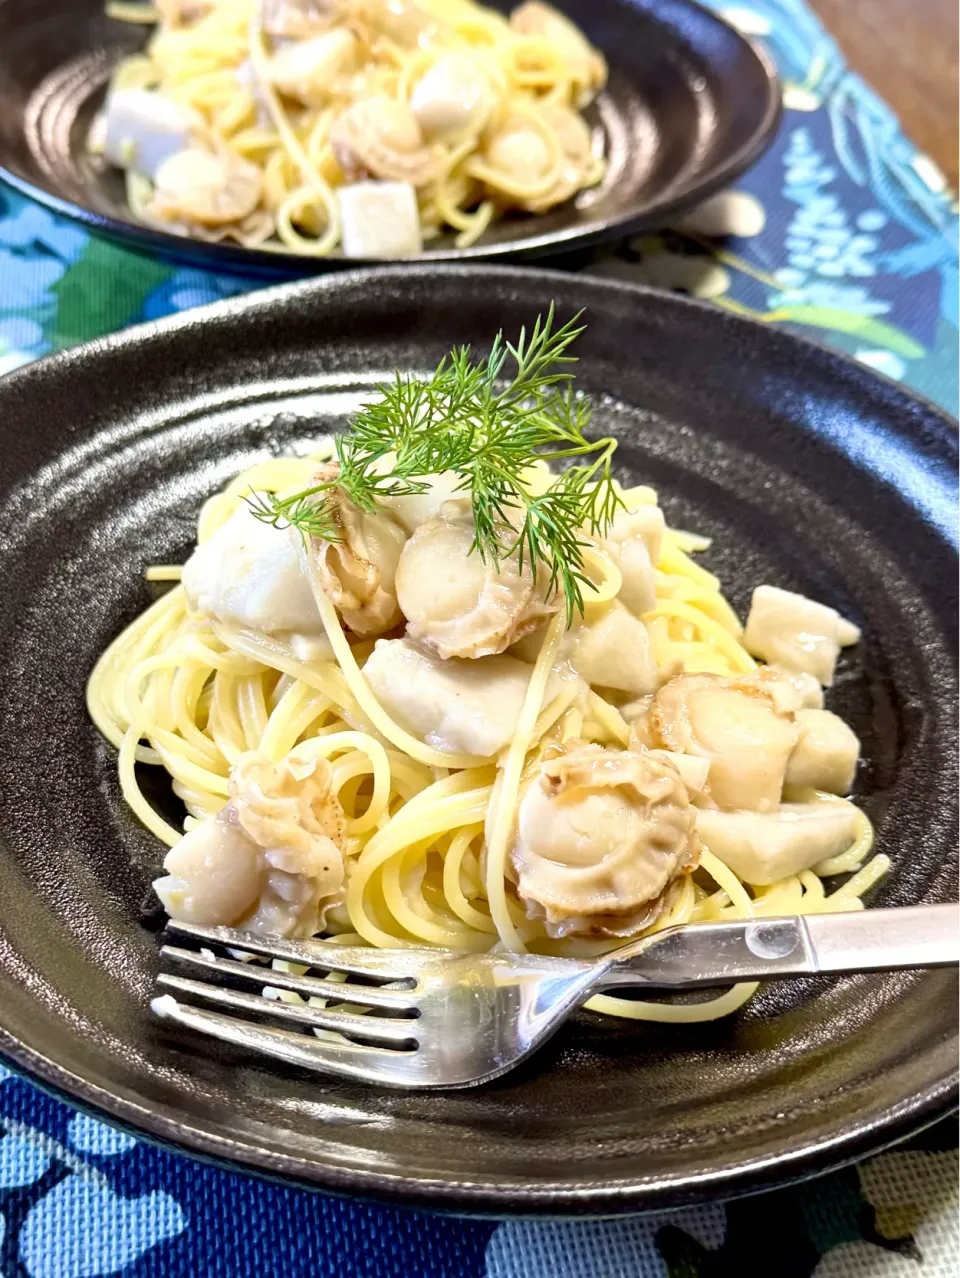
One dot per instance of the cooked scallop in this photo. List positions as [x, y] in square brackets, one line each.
[210, 189]
[297, 19]
[247, 77]
[309, 70]
[796, 632]
[633, 543]
[271, 860]
[733, 723]
[358, 572]
[762, 847]
[825, 757]
[403, 22]
[457, 605]
[601, 836]
[379, 219]
[786, 695]
[417, 508]
[646, 521]
[694, 771]
[610, 648]
[584, 65]
[380, 137]
[215, 874]
[451, 97]
[808, 689]
[576, 157]
[470, 707]
[519, 151]
[142, 129]
[248, 574]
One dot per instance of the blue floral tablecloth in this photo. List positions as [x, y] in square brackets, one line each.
[842, 231]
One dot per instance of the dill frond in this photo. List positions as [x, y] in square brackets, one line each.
[469, 419]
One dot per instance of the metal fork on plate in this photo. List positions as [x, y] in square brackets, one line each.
[430, 1018]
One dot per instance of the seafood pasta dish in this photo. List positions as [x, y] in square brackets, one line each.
[446, 681]
[363, 127]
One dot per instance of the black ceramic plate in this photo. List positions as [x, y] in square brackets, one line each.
[807, 470]
[690, 104]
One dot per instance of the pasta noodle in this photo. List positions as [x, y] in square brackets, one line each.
[427, 831]
[300, 99]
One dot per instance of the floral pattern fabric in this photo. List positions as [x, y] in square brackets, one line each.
[844, 232]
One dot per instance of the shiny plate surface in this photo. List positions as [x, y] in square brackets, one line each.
[808, 471]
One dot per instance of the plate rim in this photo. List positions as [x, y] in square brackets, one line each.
[280, 289]
[615, 1195]
[237, 260]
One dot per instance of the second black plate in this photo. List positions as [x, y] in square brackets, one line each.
[690, 104]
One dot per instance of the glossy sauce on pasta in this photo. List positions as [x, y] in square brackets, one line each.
[433, 849]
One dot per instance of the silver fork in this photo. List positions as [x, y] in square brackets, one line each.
[429, 1018]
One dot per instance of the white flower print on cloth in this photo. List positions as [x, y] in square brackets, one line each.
[652, 264]
[914, 1195]
[885, 362]
[80, 1227]
[730, 213]
[591, 1248]
[89, 1136]
[24, 1157]
[821, 243]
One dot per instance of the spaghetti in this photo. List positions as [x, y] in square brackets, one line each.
[427, 831]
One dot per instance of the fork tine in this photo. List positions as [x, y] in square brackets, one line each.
[380, 1029]
[351, 959]
[308, 986]
[372, 1064]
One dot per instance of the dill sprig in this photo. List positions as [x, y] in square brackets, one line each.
[470, 418]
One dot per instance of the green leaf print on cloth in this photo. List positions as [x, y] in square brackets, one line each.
[103, 291]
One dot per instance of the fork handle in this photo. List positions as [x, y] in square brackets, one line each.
[708, 954]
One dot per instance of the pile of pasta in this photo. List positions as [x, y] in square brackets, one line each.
[477, 114]
[422, 867]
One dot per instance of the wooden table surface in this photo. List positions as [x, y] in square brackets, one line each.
[907, 51]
